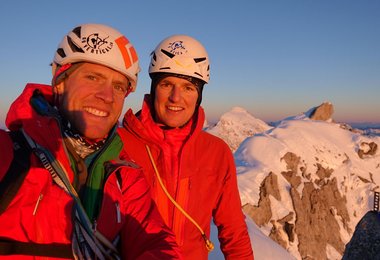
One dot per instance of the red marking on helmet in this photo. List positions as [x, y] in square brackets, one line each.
[129, 53]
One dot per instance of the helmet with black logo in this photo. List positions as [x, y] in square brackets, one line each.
[99, 44]
[181, 55]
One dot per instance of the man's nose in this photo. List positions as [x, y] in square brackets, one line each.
[175, 94]
[106, 92]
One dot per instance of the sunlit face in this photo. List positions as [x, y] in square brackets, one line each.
[92, 99]
[175, 101]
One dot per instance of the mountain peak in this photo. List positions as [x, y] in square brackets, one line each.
[236, 125]
[312, 180]
[322, 112]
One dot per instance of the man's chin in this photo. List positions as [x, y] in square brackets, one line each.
[175, 124]
[95, 133]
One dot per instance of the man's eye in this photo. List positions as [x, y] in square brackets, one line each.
[121, 88]
[164, 85]
[190, 88]
[91, 77]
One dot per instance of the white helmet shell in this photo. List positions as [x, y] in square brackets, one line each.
[100, 44]
[181, 54]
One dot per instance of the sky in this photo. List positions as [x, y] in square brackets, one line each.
[318, 145]
[274, 58]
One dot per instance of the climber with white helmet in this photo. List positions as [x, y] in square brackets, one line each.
[192, 173]
[64, 192]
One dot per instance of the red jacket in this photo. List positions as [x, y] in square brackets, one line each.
[41, 211]
[198, 170]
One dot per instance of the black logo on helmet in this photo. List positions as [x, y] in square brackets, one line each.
[97, 45]
[177, 48]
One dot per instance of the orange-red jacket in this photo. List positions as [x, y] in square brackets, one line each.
[41, 211]
[198, 170]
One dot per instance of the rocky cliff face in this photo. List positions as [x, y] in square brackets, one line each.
[306, 183]
[316, 207]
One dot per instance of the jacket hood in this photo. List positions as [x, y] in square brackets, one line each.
[20, 113]
[143, 117]
[42, 129]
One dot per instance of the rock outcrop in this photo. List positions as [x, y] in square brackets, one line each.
[367, 149]
[317, 206]
[261, 213]
[365, 243]
[306, 180]
[323, 112]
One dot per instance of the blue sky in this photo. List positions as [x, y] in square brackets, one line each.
[275, 58]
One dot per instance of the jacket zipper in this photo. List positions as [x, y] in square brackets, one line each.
[89, 171]
[118, 215]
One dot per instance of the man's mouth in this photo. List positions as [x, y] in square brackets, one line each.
[174, 108]
[96, 112]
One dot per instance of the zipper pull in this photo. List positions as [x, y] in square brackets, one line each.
[37, 203]
[118, 185]
[118, 215]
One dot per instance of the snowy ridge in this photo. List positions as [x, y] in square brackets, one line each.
[340, 169]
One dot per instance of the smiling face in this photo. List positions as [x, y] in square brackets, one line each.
[92, 98]
[175, 101]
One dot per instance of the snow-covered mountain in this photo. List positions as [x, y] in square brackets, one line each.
[236, 125]
[305, 183]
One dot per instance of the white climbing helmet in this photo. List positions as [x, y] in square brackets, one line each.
[99, 44]
[183, 55]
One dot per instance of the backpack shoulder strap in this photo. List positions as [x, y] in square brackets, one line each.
[14, 177]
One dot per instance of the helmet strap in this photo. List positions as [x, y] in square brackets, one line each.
[59, 72]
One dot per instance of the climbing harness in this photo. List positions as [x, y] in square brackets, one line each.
[89, 241]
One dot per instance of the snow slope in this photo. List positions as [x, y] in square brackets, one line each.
[315, 142]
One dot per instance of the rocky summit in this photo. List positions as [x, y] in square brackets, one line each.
[307, 181]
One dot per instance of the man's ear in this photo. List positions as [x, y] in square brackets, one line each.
[59, 88]
[53, 68]
[57, 93]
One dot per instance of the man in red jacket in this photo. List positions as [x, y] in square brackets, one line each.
[192, 173]
[75, 198]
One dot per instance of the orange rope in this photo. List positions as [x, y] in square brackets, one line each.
[209, 244]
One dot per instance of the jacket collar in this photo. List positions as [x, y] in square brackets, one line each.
[144, 125]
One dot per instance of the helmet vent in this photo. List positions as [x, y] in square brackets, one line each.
[170, 55]
[154, 56]
[197, 60]
[72, 45]
[200, 75]
[61, 52]
[165, 68]
[77, 31]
